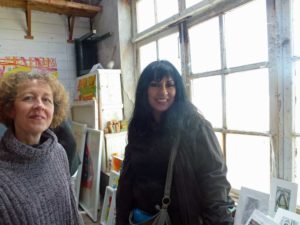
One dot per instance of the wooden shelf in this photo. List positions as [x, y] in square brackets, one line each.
[64, 7]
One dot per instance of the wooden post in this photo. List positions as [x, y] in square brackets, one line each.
[71, 22]
[28, 21]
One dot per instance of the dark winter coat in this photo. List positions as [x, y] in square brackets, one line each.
[200, 189]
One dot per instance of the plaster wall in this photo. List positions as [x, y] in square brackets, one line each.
[116, 18]
[50, 32]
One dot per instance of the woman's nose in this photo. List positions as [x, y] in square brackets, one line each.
[163, 89]
[38, 104]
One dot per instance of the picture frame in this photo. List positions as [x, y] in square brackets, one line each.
[79, 132]
[108, 212]
[250, 200]
[259, 218]
[114, 179]
[89, 198]
[283, 194]
[86, 112]
[285, 217]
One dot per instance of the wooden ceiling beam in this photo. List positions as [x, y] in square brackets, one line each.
[55, 6]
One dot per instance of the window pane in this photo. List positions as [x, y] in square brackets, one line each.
[189, 3]
[207, 97]
[205, 46]
[145, 14]
[249, 156]
[247, 100]
[166, 9]
[297, 105]
[147, 54]
[246, 35]
[298, 167]
[168, 49]
[296, 28]
[220, 139]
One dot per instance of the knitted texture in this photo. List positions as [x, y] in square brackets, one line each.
[35, 186]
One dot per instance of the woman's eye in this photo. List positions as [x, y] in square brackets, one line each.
[170, 84]
[154, 84]
[28, 98]
[47, 100]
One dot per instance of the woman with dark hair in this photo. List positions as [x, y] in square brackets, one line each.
[162, 113]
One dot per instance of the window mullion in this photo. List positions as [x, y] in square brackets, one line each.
[223, 67]
[289, 157]
[185, 56]
[280, 86]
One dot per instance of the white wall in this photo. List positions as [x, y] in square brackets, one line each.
[50, 32]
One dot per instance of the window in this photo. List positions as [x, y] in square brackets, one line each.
[151, 12]
[145, 14]
[246, 36]
[232, 55]
[238, 102]
[207, 99]
[162, 48]
[192, 2]
[247, 98]
[147, 54]
[204, 38]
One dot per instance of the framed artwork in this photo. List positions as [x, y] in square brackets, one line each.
[13, 64]
[250, 200]
[285, 217]
[79, 131]
[87, 86]
[108, 212]
[258, 218]
[89, 198]
[283, 195]
[85, 112]
[113, 179]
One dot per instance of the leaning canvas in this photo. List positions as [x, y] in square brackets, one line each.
[79, 131]
[283, 195]
[90, 180]
[259, 218]
[250, 200]
[285, 217]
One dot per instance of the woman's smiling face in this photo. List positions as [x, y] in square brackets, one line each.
[161, 95]
[33, 109]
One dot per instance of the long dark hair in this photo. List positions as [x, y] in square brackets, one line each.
[142, 119]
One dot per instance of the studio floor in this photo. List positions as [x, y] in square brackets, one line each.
[87, 220]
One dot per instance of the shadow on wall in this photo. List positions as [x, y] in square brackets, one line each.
[2, 129]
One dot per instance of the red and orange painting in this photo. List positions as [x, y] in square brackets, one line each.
[13, 64]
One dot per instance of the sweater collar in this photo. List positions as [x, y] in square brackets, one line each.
[16, 151]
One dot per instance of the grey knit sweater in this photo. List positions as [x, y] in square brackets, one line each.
[35, 186]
